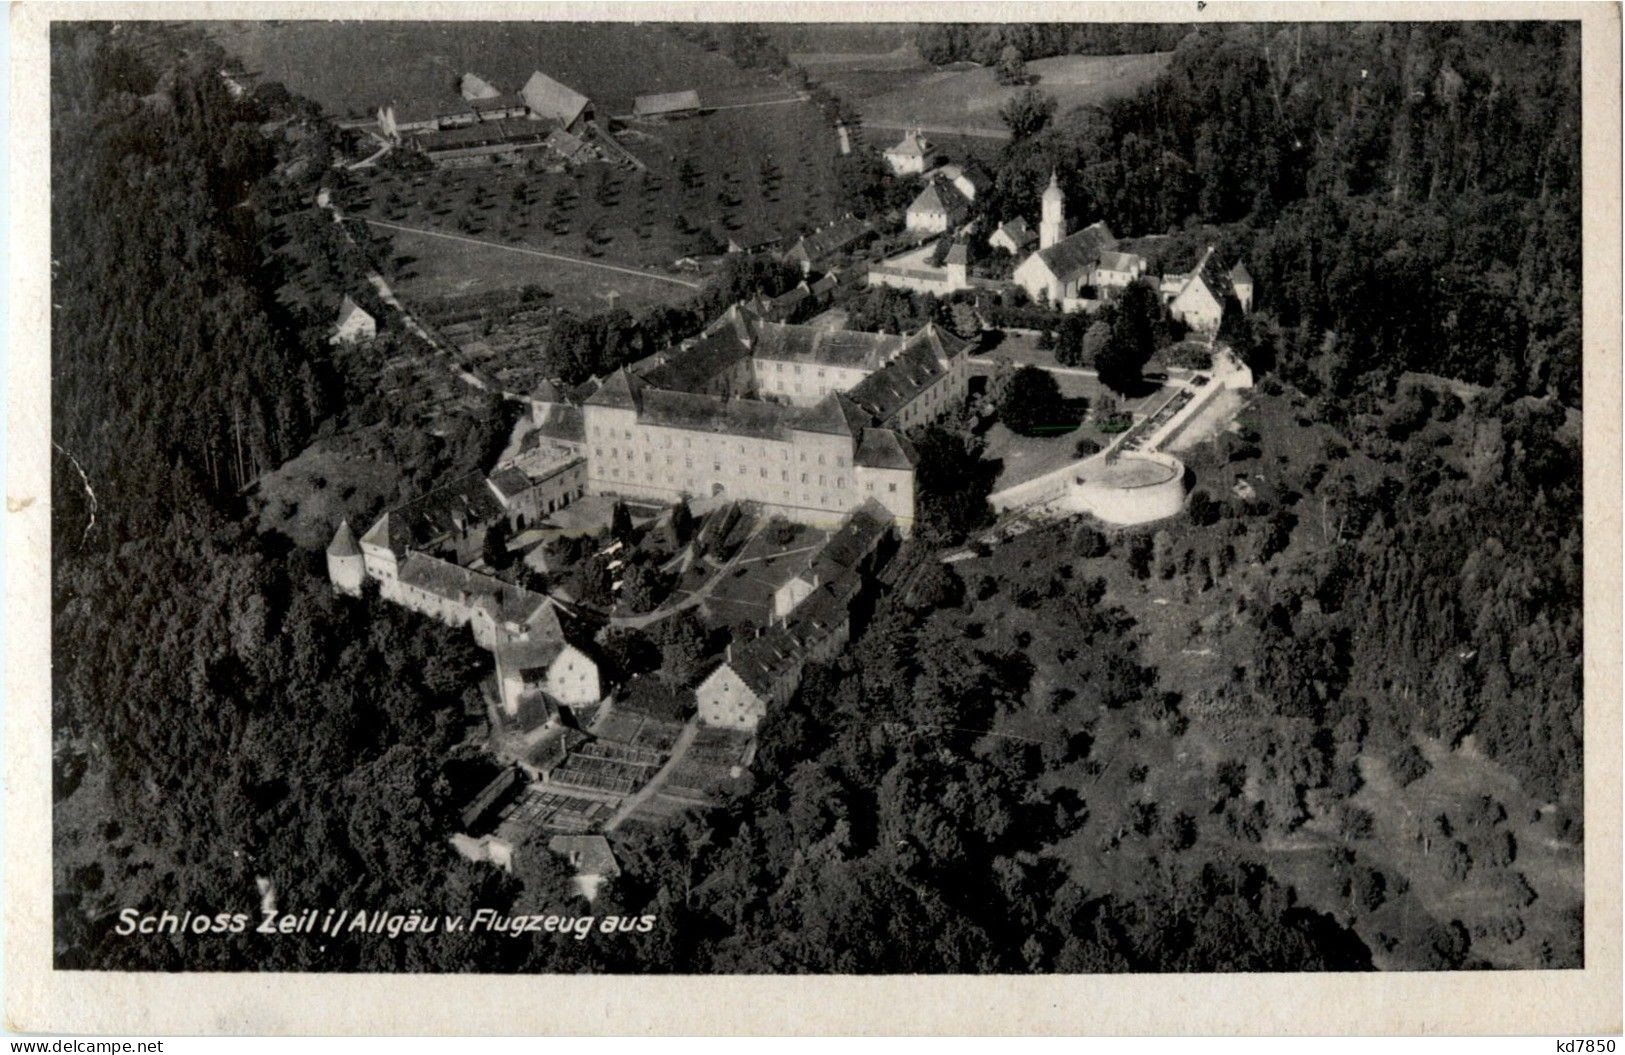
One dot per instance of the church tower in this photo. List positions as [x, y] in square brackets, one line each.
[1052, 222]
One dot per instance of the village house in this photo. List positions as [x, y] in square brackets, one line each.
[938, 208]
[815, 250]
[1013, 236]
[1197, 297]
[908, 157]
[353, 324]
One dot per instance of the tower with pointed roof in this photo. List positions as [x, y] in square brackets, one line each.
[346, 568]
[1052, 220]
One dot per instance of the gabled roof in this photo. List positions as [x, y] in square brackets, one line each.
[692, 368]
[564, 143]
[1211, 276]
[889, 389]
[885, 449]
[549, 99]
[957, 254]
[1018, 232]
[620, 390]
[835, 415]
[348, 309]
[343, 544]
[509, 483]
[944, 343]
[832, 238]
[530, 658]
[1077, 253]
[913, 144]
[940, 196]
[763, 659]
[666, 103]
[703, 413]
[1239, 275]
[560, 421]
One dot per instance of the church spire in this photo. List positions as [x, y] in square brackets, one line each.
[1052, 219]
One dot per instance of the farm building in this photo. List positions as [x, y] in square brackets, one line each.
[667, 105]
[486, 143]
[548, 100]
[909, 155]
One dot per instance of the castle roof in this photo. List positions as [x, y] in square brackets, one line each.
[692, 367]
[1210, 274]
[884, 449]
[918, 366]
[835, 415]
[619, 390]
[782, 342]
[703, 413]
[503, 601]
[343, 544]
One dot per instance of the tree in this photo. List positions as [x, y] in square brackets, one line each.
[1032, 401]
[495, 548]
[620, 524]
[1027, 113]
[1121, 359]
[1010, 69]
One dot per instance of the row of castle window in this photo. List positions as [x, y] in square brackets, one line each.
[631, 455]
[784, 477]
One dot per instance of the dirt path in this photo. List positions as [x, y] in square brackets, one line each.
[653, 276]
[648, 791]
[386, 294]
[936, 130]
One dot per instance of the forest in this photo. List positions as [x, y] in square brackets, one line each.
[1407, 197]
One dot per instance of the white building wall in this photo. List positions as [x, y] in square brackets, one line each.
[724, 700]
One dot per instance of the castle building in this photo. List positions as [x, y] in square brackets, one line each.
[346, 568]
[807, 423]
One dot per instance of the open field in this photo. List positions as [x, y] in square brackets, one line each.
[970, 99]
[437, 266]
[351, 68]
[695, 196]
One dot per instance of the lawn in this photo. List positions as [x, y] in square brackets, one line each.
[970, 99]
[351, 68]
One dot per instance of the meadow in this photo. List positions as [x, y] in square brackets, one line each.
[351, 68]
[969, 99]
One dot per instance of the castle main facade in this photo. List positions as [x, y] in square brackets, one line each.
[807, 422]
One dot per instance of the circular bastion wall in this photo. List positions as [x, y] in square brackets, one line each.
[1135, 487]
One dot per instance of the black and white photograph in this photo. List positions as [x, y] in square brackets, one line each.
[647, 496]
